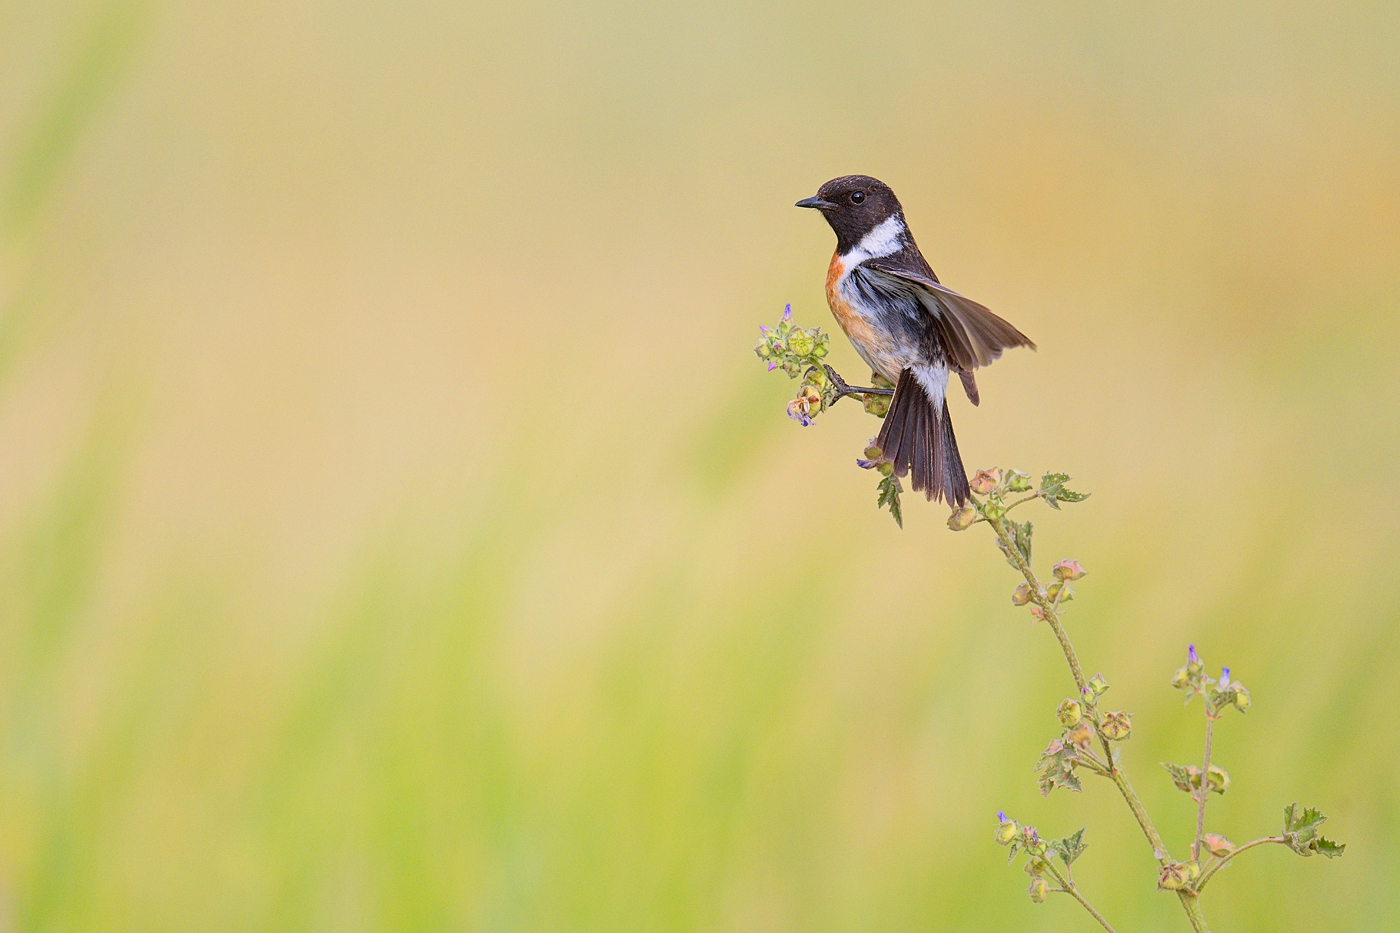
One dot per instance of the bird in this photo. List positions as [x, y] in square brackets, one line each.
[908, 327]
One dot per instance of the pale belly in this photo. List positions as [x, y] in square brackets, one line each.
[884, 351]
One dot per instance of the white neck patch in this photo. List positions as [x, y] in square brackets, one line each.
[882, 241]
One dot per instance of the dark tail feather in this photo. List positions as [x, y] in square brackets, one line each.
[918, 439]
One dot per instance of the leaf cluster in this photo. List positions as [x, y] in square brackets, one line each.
[1300, 833]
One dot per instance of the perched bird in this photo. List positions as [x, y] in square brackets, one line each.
[908, 328]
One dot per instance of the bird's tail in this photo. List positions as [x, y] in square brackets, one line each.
[918, 439]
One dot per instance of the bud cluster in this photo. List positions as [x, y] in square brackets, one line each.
[1041, 853]
[799, 351]
[1218, 694]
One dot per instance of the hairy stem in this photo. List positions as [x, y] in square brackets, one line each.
[1159, 848]
[1192, 905]
[1046, 607]
[1051, 616]
[1049, 611]
[1204, 792]
[1210, 872]
[1068, 887]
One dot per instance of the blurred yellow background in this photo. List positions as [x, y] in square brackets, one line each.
[398, 533]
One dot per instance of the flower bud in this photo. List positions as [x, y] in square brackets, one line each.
[985, 482]
[1081, 735]
[763, 349]
[877, 405]
[1217, 845]
[1068, 570]
[816, 376]
[1172, 877]
[1098, 685]
[873, 453]
[1038, 890]
[1194, 666]
[1217, 781]
[1117, 726]
[1016, 481]
[1021, 595]
[962, 518]
[1069, 712]
[800, 343]
[885, 468]
[1193, 870]
[1035, 866]
[1241, 697]
[1181, 678]
[994, 511]
[1007, 830]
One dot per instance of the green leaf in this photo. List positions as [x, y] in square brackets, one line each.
[1021, 537]
[1181, 776]
[1329, 848]
[1056, 767]
[889, 490]
[1053, 491]
[1300, 833]
[1071, 847]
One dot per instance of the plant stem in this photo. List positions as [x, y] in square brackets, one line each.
[1046, 607]
[1068, 887]
[1189, 901]
[1159, 848]
[1204, 792]
[1210, 872]
[1192, 905]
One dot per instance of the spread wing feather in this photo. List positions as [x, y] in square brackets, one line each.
[971, 334]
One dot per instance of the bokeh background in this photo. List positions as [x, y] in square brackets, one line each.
[398, 533]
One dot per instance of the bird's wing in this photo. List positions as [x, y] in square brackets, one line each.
[972, 335]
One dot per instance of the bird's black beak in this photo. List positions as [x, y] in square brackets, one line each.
[819, 203]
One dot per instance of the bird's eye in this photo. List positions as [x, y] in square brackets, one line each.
[857, 197]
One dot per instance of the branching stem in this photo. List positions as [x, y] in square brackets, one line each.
[1049, 612]
[1210, 872]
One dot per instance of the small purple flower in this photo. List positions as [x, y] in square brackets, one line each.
[865, 464]
[787, 311]
[1224, 677]
[1191, 654]
[1001, 816]
[798, 412]
[762, 329]
[772, 365]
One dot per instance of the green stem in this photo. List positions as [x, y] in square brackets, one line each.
[1210, 872]
[1159, 848]
[1192, 905]
[1189, 900]
[1046, 607]
[1204, 792]
[1067, 886]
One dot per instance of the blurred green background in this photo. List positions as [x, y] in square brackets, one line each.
[397, 532]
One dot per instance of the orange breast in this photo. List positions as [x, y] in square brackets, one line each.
[870, 343]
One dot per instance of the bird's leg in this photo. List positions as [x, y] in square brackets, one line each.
[843, 390]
